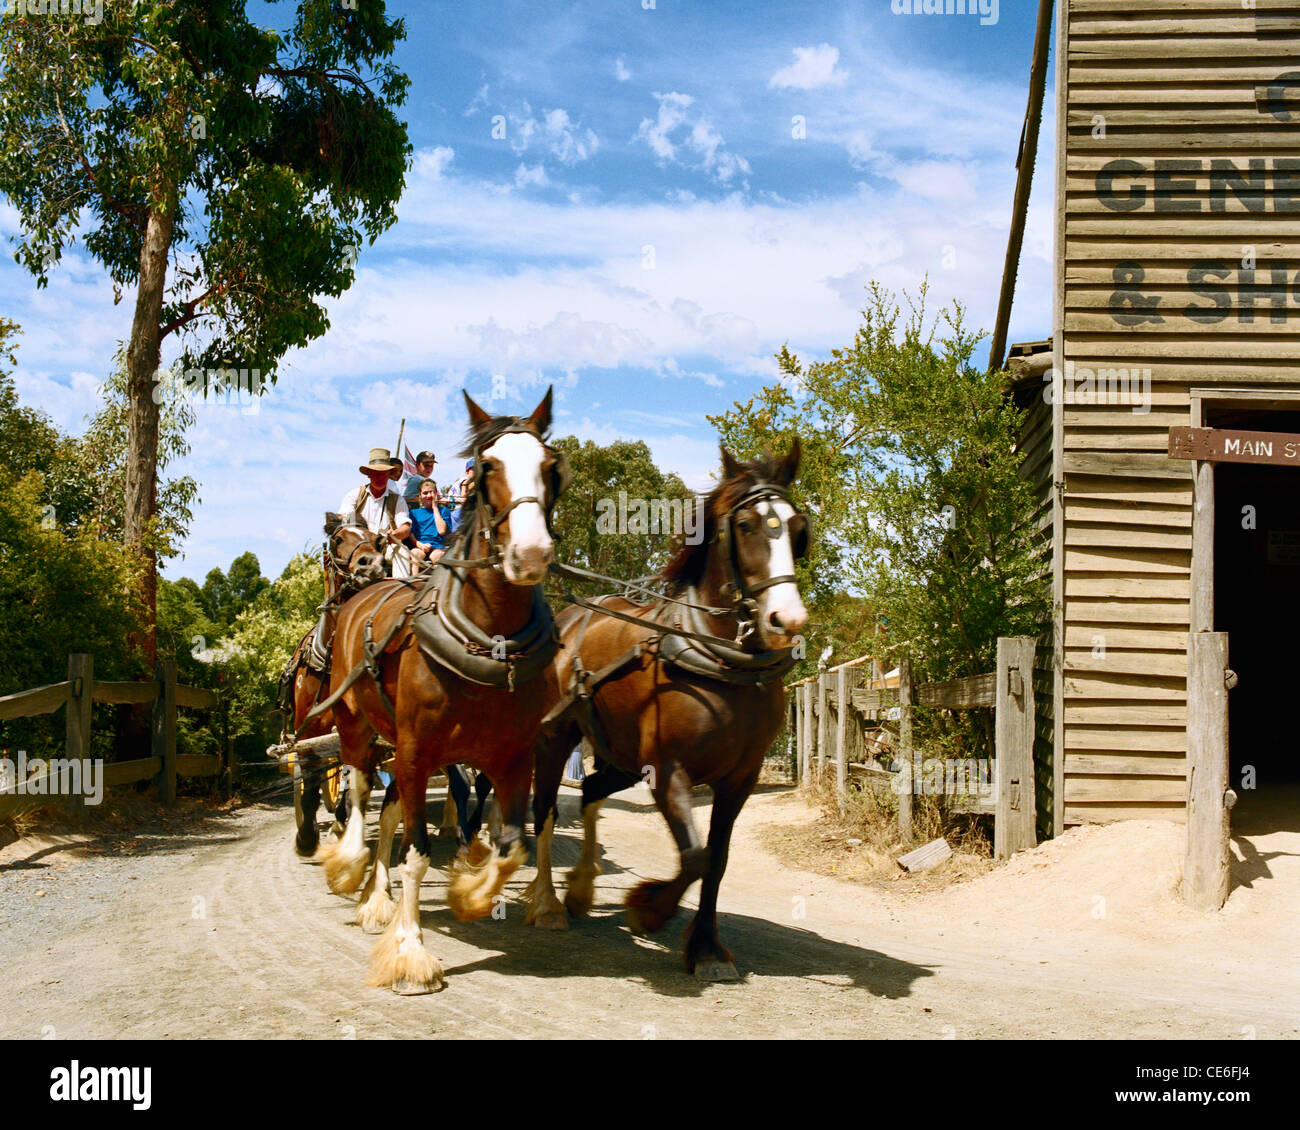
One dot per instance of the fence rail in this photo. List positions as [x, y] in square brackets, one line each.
[853, 736]
[164, 765]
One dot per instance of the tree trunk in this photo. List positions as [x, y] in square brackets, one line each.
[142, 359]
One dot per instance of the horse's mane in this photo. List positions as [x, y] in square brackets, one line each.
[686, 567]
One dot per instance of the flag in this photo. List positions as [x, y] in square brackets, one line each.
[408, 460]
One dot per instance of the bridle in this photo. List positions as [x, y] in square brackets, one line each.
[761, 496]
[487, 520]
[348, 580]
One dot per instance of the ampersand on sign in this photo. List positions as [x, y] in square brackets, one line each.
[1130, 307]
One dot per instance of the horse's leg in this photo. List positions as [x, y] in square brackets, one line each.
[375, 908]
[652, 903]
[544, 907]
[400, 960]
[345, 859]
[307, 840]
[596, 787]
[455, 805]
[475, 887]
[705, 956]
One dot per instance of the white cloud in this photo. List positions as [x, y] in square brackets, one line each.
[620, 70]
[812, 67]
[566, 140]
[701, 139]
[534, 176]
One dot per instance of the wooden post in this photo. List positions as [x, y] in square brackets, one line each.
[81, 674]
[841, 731]
[164, 729]
[228, 742]
[1014, 822]
[823, 723]
[805, 734]
[1205, 870]
[905, 748]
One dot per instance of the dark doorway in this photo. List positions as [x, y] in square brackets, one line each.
[1257, 602]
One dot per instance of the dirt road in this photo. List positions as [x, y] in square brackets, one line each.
[219, 930]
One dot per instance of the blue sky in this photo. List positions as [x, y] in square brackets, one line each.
[645, 235]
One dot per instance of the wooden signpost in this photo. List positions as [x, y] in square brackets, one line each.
[1227, 445]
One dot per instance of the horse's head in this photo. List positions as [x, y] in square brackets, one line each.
[753, 534]
[517, 479]
[355, 554]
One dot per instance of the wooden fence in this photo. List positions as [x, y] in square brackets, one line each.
[164, 765]
[852, 735]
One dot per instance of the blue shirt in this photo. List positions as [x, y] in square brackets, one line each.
[425, 528]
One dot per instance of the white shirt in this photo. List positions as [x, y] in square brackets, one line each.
[373, 510]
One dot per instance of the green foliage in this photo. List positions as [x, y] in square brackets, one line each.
[600, 472]
[225, 595]
[263, 639]
[910, 470]
[276, 154]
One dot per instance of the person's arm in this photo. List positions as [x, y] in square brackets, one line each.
[401, 521]
[439, 520]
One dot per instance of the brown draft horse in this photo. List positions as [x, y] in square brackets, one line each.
[668, 726]
[439, 716]
[353, 559]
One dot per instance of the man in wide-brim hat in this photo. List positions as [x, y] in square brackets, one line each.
[373, 505]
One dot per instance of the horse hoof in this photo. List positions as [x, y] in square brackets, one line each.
[716, 971]
[557, 920]
[306, 849]
[578, 907]
[415, 988]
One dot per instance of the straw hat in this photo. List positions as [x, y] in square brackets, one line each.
[380, 460]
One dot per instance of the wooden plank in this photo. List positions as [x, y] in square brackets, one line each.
[1108, 813]
[1146, 790]
[34, 702]
[1096, 559]
[196, 697]
[1136, 537]
[1105, 739]
[959, 694]
[125, 693]
[823, 723]
[1130, 438]
[198, 764]
[1149, 494]
[1014, 826]
[1262, 327]
[1277, 350]
[1111, 638]
[905, 749]
[1128, 764]
[1164, 664]
[1125, 714]
[1103, 510]
[873, 702]
[129, 772]
[164, 729]
[923, 858]
[1124, 687]
[1082, 586]
[841, 731]
[81, 680]
[1205, 870]
[1131, 612]
[1116, 464]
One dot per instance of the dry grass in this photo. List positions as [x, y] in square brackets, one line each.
[856, 838]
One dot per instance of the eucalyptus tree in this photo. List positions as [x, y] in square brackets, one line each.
[224, 175]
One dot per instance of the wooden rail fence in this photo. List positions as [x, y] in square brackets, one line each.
[164, 765]
[853, 736]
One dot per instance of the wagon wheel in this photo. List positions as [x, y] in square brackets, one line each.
[331, 786]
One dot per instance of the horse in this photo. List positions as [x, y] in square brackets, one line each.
[682, 691]
[353, 559]
[451, 665]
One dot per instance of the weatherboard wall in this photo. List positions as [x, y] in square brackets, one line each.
[1178, 191]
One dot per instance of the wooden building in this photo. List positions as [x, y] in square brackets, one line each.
[1177, 303]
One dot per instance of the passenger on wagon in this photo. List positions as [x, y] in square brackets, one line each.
[429, 525]
[379, 508]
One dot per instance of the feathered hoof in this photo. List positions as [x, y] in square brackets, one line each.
[343, 873]
[477, 854]
[715, 971]
[306, 842]
[545, 911]
[375, 912]
[646, 912]
[581, 893]
[401, 963]
[474, 888]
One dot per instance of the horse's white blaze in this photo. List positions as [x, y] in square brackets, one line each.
[782, 601]
[521, 456]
